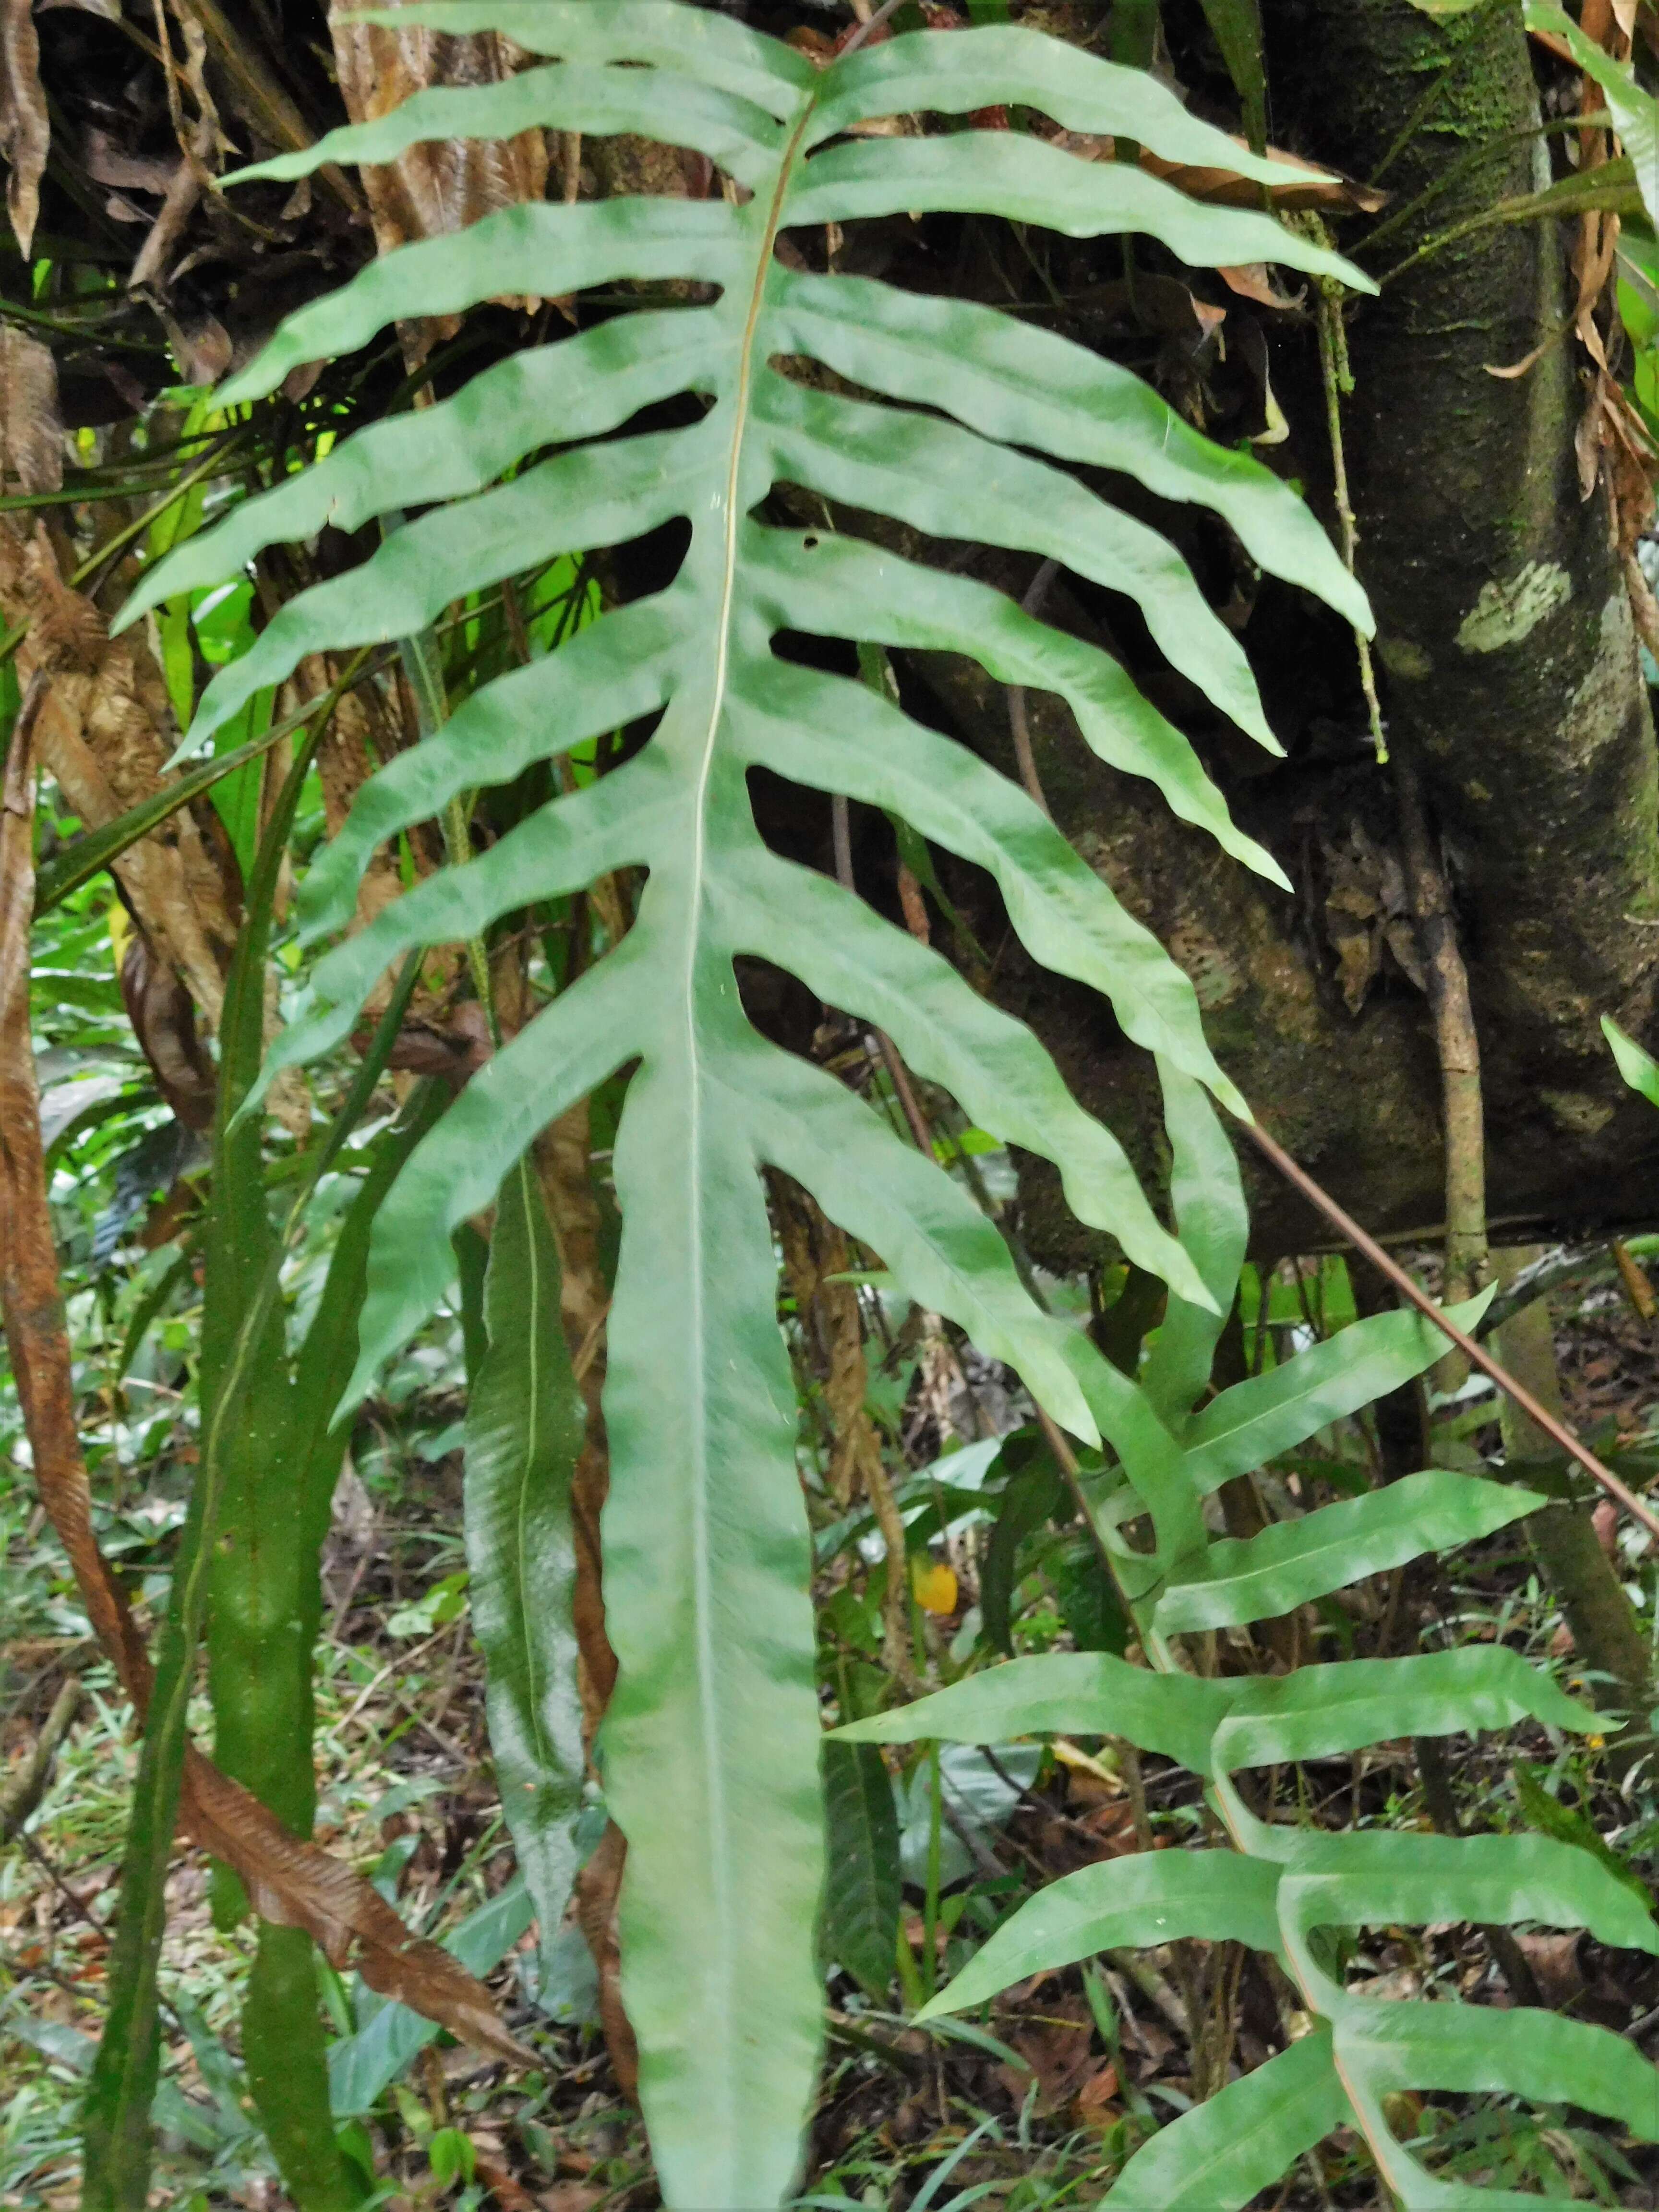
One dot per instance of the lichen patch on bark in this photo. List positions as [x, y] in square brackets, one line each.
[1509, 609]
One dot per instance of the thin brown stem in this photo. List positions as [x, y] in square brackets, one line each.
[1476, 1354]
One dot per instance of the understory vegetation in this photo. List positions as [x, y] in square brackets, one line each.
[690, 1511]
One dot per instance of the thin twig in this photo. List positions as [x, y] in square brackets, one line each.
[1339, 381]
[24, 1790]
[1456, 1041]
[867, 29]
[1018, 720]
[1474, 1353]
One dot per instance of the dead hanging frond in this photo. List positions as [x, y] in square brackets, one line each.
[435, 185]
[25, 129]
[31, 426]
[105, 725]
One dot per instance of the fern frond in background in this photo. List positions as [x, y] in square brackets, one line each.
[711, 1743]
[1284, 1886]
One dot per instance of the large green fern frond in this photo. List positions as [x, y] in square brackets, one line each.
[1282, 1884]
[710, 1745]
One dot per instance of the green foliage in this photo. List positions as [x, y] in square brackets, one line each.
[524, 1432]
[710, 1751]
[1281, 1886]
[1638, 1067]
[863, 1893]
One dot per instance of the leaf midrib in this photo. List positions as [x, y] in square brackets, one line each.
[728, 1952]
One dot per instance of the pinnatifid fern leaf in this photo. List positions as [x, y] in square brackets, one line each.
[1280, 1887]
[710, 1743]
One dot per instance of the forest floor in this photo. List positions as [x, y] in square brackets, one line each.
[1068, 2074]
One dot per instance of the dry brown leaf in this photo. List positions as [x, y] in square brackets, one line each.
[25, 131]
[572, 2197]
[1555, 1966]
[598, 1887]
[106, 163]
[250, 86]
[497, 2178]
[1304, 184]
[1057, 2050]
[105, 733]
[440, 184]
[1094, 2099]
[200, 343]
[566, 1177]
[1253, 280]
[107, 724]
[31, 428]
[163, 1017]
[181, 193]
[565, 1172]
[1367, 912]
[289, 1881]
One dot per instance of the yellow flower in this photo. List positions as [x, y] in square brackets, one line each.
[934, 1584]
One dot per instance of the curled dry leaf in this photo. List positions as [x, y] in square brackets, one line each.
[107, 726]
[163, 1017]
[291, 1882]
[107, 730]
[1304, 185]
[566, 1175]
[25, 132]
[31, 428]
[440, 184]
[1254, 279]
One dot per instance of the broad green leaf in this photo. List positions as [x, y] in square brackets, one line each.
[1261, 1577]
[1567, 1825]
[1378, 1878]
[942, 479]
[735, 133]
[993, 1064]
[711, 1738]
[596, 381]
[1081, 92]
[1016, 380]
[115, 2116]
[1319, 1711]
[1144, 1898]
[710, 47]
[287, 2066]
[1063, 1693]
[1028, 180]
[1249, 1425]
[1208, 1198]
[863, 1891]
[1476, 2049]
[827, 732]
[1220, 2155]
[711, 1743]
[524, 1425]
[1638, 1067]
